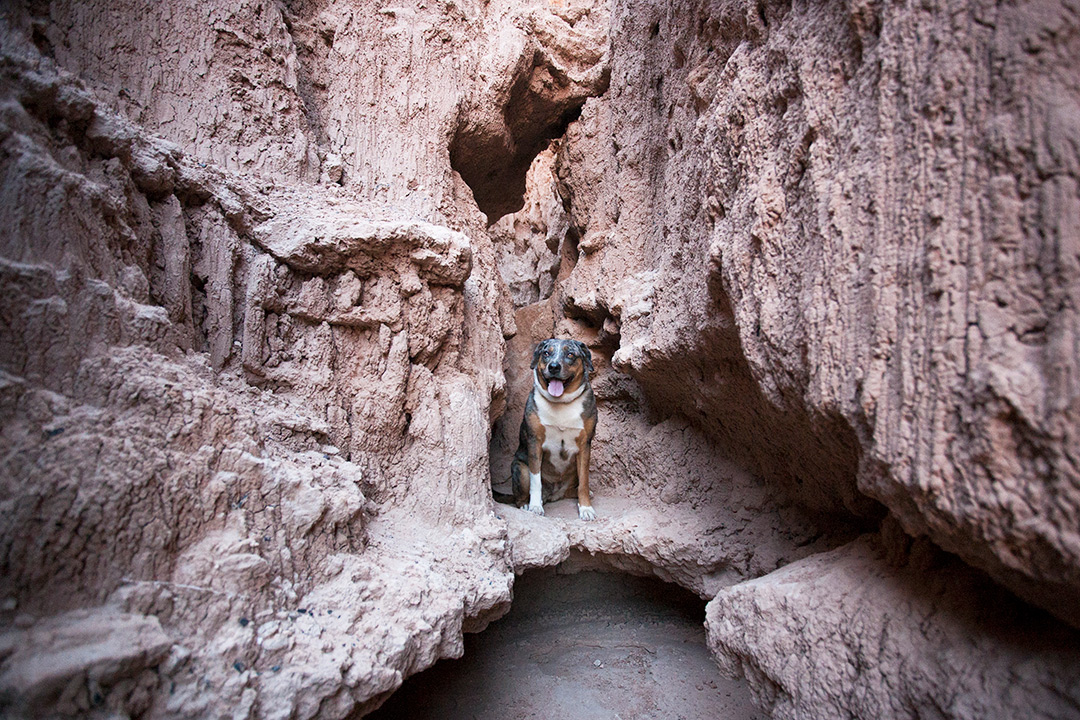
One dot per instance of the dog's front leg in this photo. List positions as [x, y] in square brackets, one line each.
[536, 450]
[584, 502]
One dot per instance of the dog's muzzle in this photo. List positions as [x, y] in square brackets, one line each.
[556, 384]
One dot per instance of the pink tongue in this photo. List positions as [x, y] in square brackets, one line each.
[555, 387]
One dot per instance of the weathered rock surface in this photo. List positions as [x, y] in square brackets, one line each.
[530, 244]
[865, 632]
[543, 65]
[834, 239]
[850, 229]
[271, 275]
[67, 662]
[211, 393]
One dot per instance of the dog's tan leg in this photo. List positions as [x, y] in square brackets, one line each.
[519, 482]
[536, 456]
[584, 502]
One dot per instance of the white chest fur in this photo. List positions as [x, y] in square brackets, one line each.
[562, 422]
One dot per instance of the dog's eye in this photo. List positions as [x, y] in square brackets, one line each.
[570, 356]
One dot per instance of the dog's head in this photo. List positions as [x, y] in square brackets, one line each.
[561, 365]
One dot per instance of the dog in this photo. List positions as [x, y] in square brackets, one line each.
[555, 445]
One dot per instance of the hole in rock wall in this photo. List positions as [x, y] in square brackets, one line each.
[495, 168]
[582, 645]
[531, 96]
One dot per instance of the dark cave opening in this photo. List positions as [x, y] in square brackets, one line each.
[581, 645]
[495, 162]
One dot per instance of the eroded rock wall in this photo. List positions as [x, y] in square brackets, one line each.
[247, 371]
[879, 628]
[849, 229]
[837, 238]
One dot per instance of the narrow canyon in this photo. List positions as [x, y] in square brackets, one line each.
[272, 272]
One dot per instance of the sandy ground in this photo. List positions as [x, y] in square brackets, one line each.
[582, 646]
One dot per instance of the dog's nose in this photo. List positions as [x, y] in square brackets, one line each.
[554, 367]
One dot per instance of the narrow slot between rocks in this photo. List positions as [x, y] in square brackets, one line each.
[580, 646]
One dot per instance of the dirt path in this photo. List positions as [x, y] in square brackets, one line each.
[581, 647]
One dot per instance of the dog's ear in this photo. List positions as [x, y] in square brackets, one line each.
[536, 353]
[585, 354]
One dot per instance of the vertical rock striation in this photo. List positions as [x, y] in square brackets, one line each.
[860, 219]
[837, 238]
[246, 372]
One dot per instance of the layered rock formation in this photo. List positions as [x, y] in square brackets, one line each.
[223, 381]
[271, 277]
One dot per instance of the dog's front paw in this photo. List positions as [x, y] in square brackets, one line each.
[586, 513]
[537, 508]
